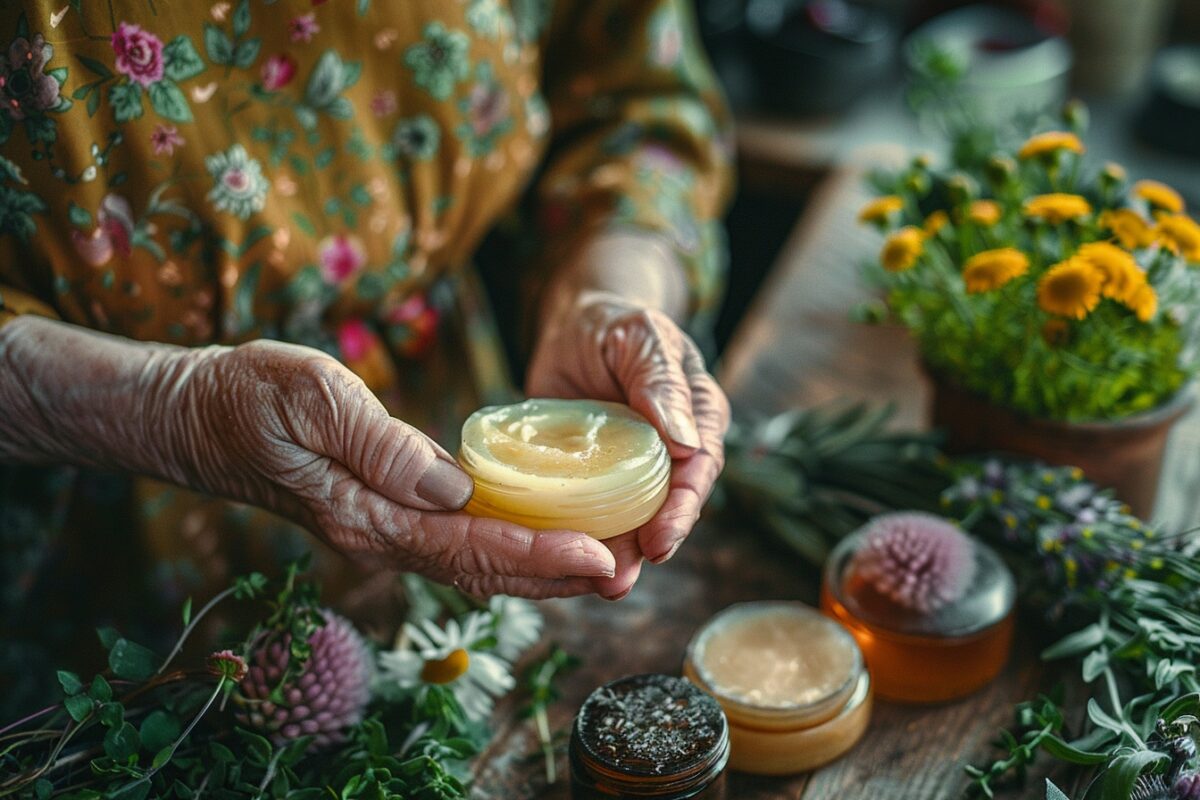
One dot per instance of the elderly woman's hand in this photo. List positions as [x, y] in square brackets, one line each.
[604, 347]
[291, 429]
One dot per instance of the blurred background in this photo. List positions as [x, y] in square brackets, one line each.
[820, 84]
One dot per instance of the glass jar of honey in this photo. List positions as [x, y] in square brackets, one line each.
[649, 736]
[933, 616]
[580, 465]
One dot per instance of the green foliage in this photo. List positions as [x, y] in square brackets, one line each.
[811, 476]
[141, 730]
[1127, 597]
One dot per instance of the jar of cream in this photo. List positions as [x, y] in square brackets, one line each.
[792, 683]
[581, 465]
[652, 736]
[931, 607]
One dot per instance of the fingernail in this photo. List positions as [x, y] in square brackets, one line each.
[445, 485]
[614, 598]
[667, 555]
[682, 429]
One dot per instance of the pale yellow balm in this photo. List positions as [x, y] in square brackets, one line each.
[582, 465]
[792, 683]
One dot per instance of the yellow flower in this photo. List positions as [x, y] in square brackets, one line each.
[902, 249]
[1121, 275]
[1128, 226]
[984, 212]
[879, 209]
[991, 269]
[1114, 171]
[1159, 195]
[1057, 207]
[1180, 234]
[1143, 302]
[1070, 288]
[935, 222]
[1050, 142]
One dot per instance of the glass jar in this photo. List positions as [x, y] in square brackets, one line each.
[792, 683]
[580, 465]
[930, 656]
[653, 736]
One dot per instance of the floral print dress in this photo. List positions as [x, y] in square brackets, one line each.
[321, 173]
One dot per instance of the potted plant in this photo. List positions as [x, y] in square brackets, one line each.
[1053, 303]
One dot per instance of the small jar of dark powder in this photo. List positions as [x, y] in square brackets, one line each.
[652, 736]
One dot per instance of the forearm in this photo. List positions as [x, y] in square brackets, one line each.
[638, 267]
[73, 396]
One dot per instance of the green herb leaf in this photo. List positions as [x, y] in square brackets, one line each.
[69, 682]
[122, 742]
[100, 692]
[1053, 792]
[132, 661]
[159, 729]
[1079, 642]
[1124, 770]
[79, 706]
[187, 612]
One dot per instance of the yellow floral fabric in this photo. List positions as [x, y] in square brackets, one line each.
[321, 172]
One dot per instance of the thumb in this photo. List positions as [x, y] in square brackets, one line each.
[394, 458]
[652, 375]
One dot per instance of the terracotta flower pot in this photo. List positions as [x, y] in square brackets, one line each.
[1125, 455]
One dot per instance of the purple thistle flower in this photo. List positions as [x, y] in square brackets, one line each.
[326, 697]
[920, 561]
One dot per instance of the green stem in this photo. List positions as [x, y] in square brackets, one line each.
[191, 626]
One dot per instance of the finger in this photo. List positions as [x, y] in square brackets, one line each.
[628, 556]
[388, 455]
[648, 365]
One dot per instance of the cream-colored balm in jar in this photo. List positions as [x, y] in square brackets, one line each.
[582, 465]
[792, 683]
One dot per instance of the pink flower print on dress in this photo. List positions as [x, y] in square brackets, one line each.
[165, 139]
[278, 71]
[304, 27]
[355, 340]
[341, 256]
[111, 236]
[384, 103]
[139, 54]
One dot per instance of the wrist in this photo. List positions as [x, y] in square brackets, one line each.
[632, 268]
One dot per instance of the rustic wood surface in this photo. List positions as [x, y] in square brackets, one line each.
[798, 346]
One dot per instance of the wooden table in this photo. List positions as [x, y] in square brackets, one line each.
[798, 346]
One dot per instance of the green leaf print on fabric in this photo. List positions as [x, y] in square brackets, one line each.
[169, 102]
[531, 17]
[440, 60]
[217, 44]
[180, 59]
[126, 101]
[487, 18]
[330, 77]
[17, 208]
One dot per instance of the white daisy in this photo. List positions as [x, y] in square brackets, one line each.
[450, 657]
[518, 625]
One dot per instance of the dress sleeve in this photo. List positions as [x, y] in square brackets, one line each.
[640, 137]
[14, 302]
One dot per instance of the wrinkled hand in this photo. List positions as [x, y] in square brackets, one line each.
[290, 429]
[606, 348]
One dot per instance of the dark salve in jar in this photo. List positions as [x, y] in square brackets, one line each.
[649, 736]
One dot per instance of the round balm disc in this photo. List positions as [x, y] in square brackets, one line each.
[583, 465]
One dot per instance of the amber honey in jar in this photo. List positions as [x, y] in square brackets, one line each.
[649, 736]
[581, 465]
[931, 607]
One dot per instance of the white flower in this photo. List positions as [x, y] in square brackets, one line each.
[450, 657]
[518, 625]
[239, 185]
